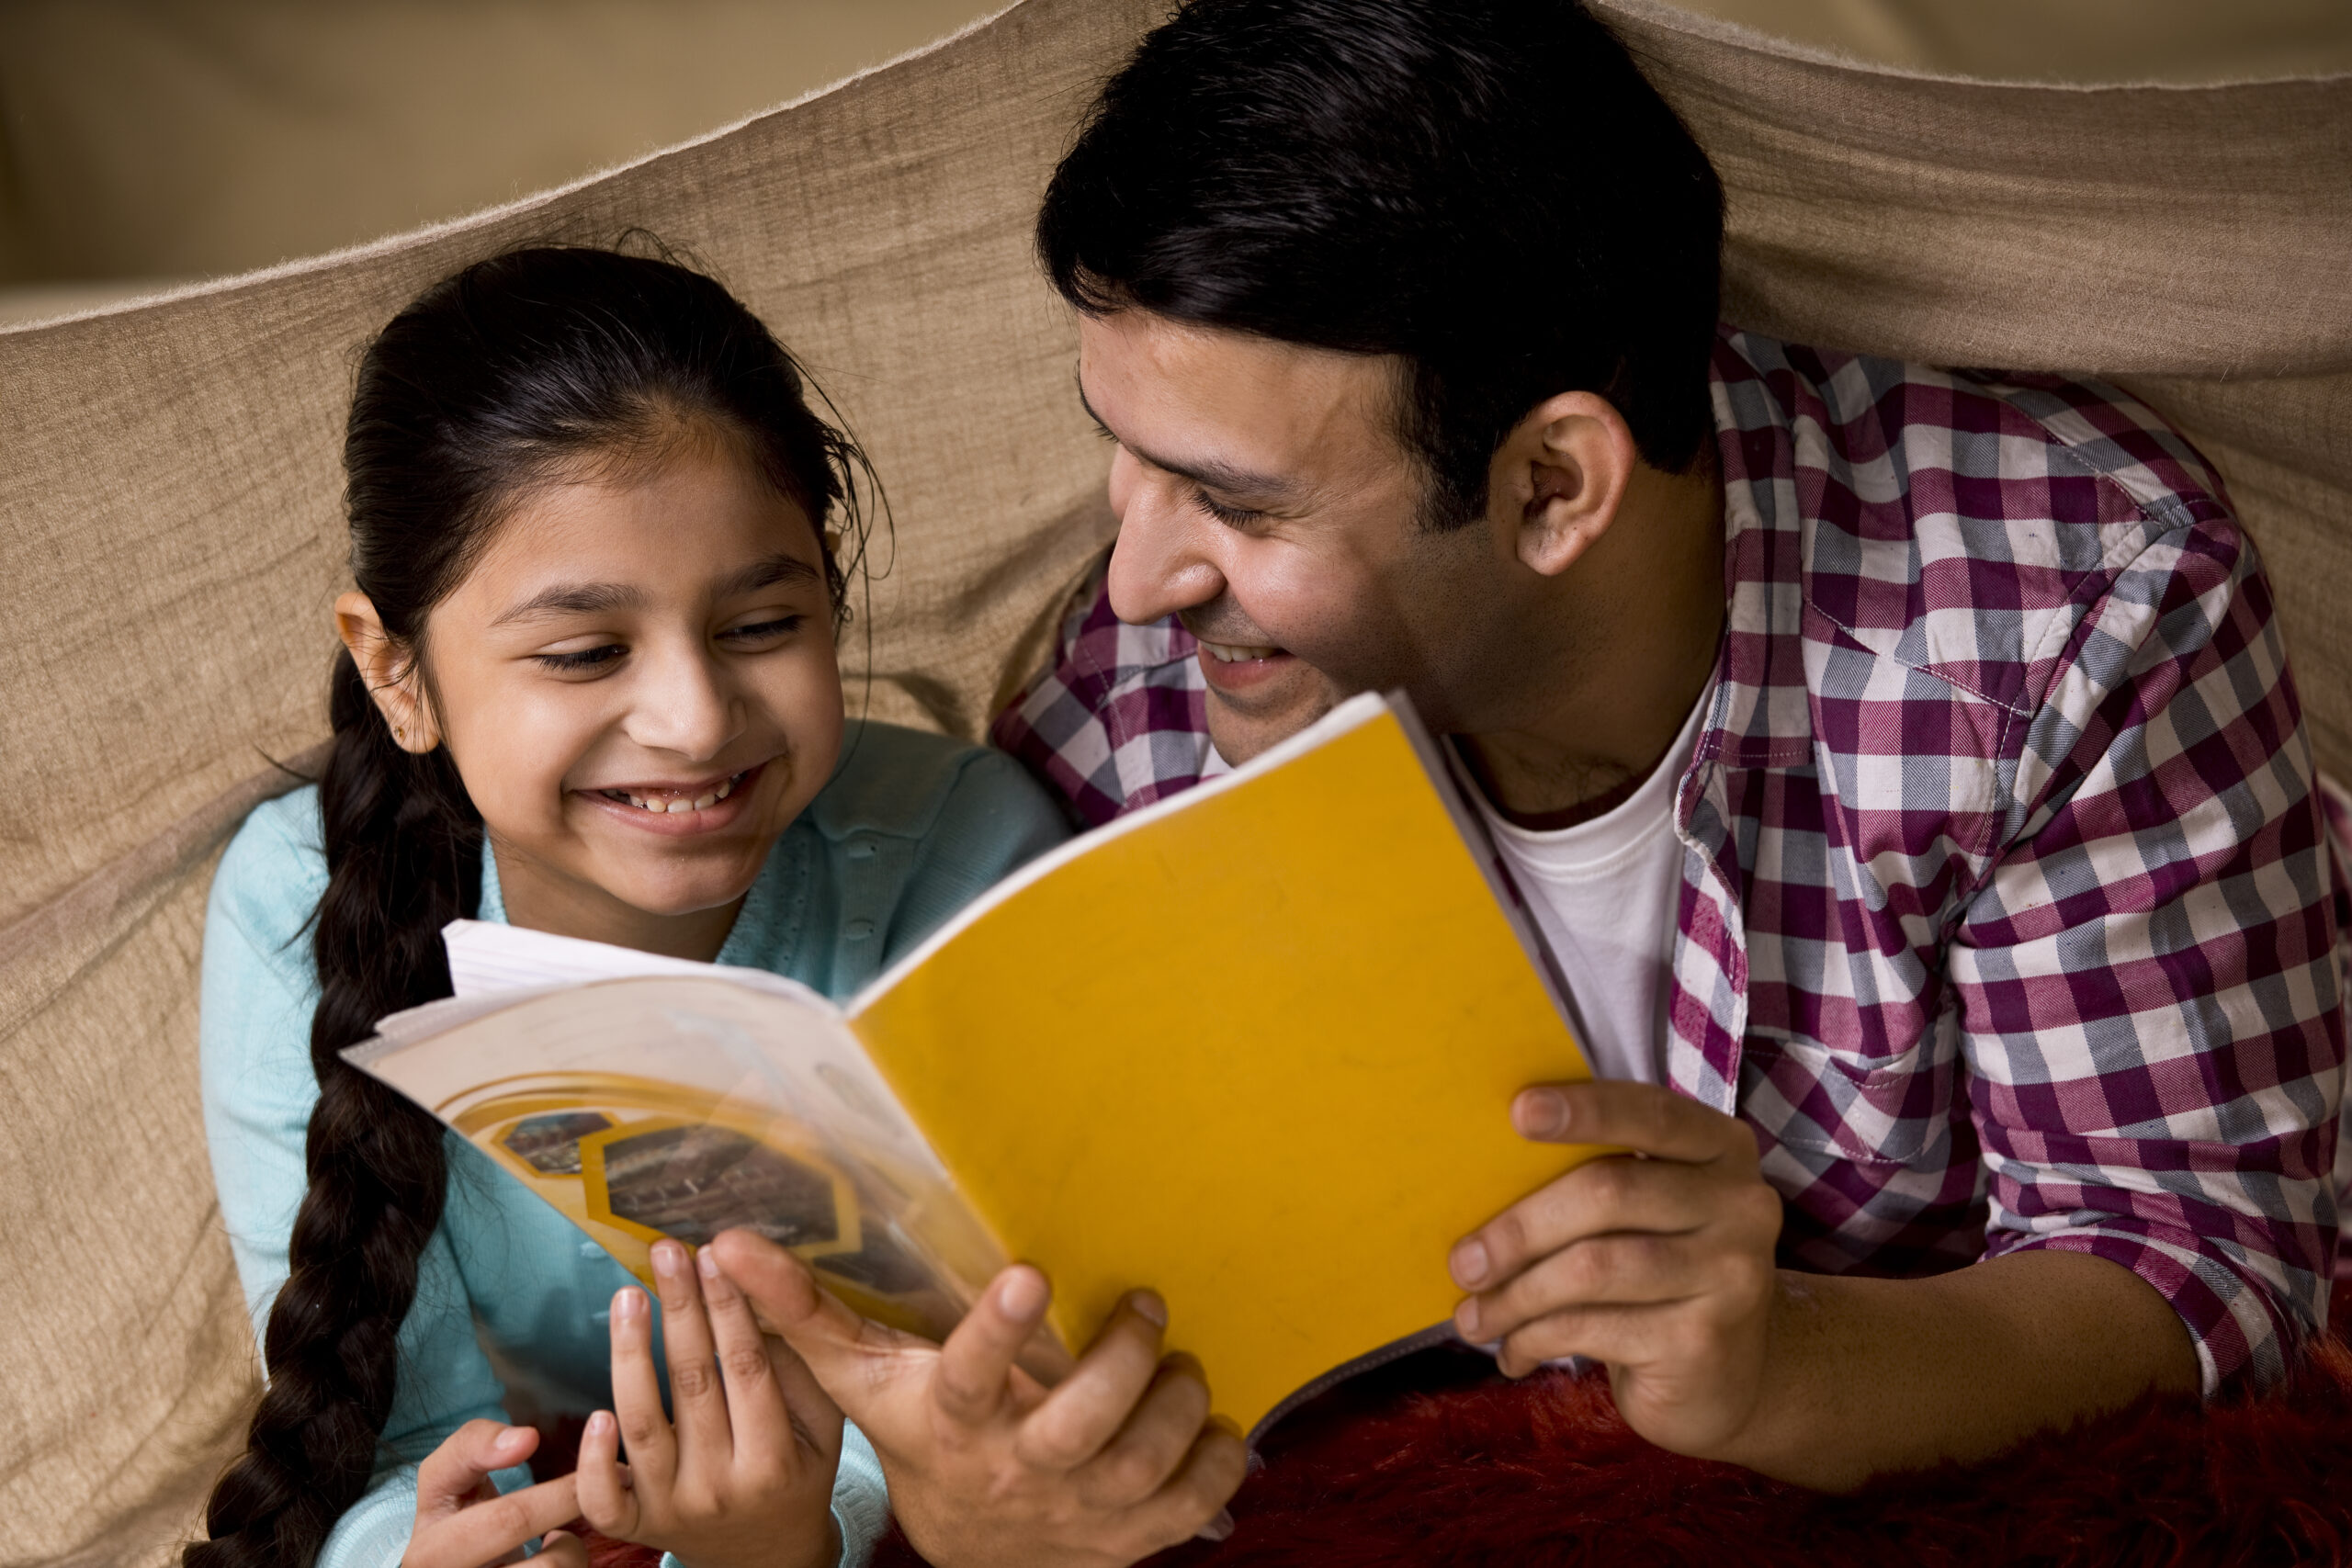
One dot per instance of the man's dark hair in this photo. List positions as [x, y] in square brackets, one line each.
[1488, 189]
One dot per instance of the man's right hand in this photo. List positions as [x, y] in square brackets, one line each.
[987, 1466]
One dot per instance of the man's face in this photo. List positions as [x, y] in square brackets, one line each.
[1266, 498]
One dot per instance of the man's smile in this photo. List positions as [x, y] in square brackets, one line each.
[1233, 668]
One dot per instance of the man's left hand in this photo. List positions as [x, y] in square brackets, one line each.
[1658, 1262]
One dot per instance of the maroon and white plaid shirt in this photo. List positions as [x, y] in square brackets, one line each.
[2007, 915]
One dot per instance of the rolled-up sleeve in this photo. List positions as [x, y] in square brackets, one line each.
[2146, 983]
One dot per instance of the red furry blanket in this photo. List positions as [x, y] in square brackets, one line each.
[1437, 1460]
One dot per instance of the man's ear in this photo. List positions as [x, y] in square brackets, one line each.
[392, 676]
[1560, 475]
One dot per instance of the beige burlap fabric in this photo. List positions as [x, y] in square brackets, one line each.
[170, 540]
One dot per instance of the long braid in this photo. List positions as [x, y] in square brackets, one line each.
[493, 381]
[403, 851]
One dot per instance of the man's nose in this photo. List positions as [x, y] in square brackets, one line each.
[1163, 560]
[683, 706]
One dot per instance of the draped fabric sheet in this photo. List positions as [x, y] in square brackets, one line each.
[171, 538]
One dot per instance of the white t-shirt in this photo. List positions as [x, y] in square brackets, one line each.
[1604, 893]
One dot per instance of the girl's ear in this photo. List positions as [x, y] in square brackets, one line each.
[391, 675]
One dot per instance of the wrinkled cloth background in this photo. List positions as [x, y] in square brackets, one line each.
[170, 537]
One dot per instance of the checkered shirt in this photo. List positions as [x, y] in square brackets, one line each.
[2008, 917]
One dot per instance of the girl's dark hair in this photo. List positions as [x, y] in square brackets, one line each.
[1488, 189]
[506, 376]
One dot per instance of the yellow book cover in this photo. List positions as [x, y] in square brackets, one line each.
[1253, 1047]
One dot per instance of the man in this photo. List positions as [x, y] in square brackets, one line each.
[1902, 764]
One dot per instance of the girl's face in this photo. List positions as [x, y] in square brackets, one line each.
[637, 682]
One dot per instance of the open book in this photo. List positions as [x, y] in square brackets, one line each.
[1253, 1046]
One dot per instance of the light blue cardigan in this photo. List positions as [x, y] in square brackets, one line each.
[909, 830]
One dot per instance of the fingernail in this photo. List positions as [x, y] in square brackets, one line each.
[706, 1264]
[627, 1304]
[1469, 1263]
[600, 1424]
[1149, 1307]
[1022, 1295]
[669, 1259]
[508, 1441]
[1219, 1527]
[1466, 1320]
[1539, 1113]
[1226, 1425]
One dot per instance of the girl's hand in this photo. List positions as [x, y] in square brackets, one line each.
[746, 1476]
[986, 1465]
[461, 1521]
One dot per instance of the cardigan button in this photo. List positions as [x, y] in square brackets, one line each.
[861, 849]
[858, 931]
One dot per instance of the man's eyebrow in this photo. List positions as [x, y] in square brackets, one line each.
[601, 598]
[1207, 472]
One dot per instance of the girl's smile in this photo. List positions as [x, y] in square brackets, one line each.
[680, 810]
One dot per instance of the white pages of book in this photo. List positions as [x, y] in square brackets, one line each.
[645, 1097]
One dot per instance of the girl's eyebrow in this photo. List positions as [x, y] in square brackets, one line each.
[600, 598]
[775, 568]
[574, 599]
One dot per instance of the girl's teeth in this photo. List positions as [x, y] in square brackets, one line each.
[670, 807]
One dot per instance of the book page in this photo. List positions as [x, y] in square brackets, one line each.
[491, 957]
[682, 1104]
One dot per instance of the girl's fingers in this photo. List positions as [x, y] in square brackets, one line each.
[562, 1549]
[607, 1499]
[452, 1475]
[636, 1393]
[761, 1432]
[1155, 1439]
[696, 1401]
[1071, 1424]
[485, 1532]
[814, 1416]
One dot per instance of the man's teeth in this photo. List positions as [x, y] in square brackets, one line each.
[673, 804]
[1234, 653]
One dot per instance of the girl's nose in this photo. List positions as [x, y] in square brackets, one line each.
[683, 707]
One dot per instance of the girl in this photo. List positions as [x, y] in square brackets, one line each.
[589, 687]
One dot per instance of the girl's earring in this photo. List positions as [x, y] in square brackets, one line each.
[400, 735]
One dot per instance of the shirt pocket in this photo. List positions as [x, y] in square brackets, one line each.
[1872, 1109]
